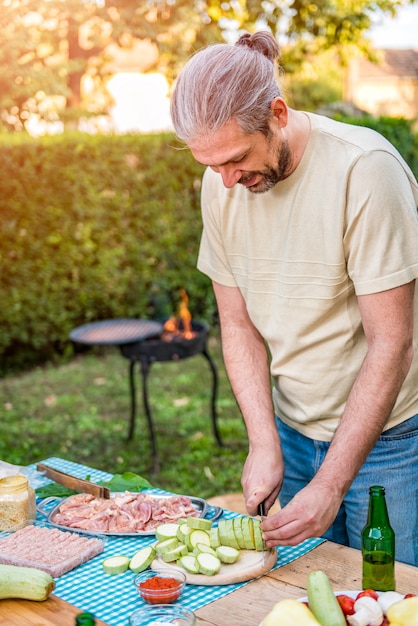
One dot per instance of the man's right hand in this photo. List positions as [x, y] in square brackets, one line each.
[262, 477]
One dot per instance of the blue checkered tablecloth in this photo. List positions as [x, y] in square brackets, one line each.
[113, 598]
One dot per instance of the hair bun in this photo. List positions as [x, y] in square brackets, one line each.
[262, 42]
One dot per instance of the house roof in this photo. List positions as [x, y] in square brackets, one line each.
[393, 63]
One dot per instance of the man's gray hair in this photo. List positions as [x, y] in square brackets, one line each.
[223, 82]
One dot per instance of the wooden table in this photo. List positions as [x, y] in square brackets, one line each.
[250, 604]
[245, 607]
[51, 612]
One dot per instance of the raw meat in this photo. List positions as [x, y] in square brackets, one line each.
[123, 513]
[49, 549]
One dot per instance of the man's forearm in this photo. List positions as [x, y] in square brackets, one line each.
[247, 365]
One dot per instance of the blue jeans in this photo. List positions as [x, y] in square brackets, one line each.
[393, 463]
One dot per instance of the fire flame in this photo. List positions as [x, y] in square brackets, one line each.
[181, 324]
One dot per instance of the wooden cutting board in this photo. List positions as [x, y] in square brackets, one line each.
[51, 612]
[249, 565]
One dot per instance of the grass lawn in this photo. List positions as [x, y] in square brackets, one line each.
[80, 411]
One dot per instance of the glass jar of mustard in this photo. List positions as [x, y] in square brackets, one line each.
[17, 502]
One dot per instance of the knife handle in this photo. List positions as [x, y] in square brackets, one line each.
[261, 509]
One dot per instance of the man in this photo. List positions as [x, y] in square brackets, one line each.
[311, 240]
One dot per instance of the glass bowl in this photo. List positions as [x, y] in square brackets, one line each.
[161, 587]
[162, 614]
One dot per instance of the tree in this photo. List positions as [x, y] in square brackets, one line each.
[48, 47]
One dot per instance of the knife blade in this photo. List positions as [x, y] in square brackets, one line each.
[72, 482]
[261, 512]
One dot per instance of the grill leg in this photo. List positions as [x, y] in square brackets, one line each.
[133, 399]
[214, 395]
[145, 367]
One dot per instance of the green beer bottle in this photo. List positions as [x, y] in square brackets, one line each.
[378, 545]
[85, 619]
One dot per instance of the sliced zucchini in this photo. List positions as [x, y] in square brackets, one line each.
[198, 523]
[258, 536]
[115, 565]
[166, 545]
[208, 564]
[248, 533]
[142, 559]
[226, 533]
[199, 536]
[175, 554]
[183, 531]
[214, 537]
[203, 547]
[227, 554]
[166, 531]
[189, 563]
[236, 522]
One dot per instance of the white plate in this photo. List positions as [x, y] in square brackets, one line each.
[344, 592]
[350, 594]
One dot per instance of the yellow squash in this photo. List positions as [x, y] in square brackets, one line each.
[404, 612]
[290, 613]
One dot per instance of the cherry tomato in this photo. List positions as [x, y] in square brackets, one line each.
[371, 593]
[410, 595]
[385, 622]
[346, 603]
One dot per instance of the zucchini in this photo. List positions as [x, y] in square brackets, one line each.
[142, 559]
[322, 601]
[166, 531]
[227, 534]
[184, 531]
[215, 542]
[208, 564]
[198, 523]
[115, 565]
[227, 554]
[175, 553]
[199, 536]
[166, 545]
[258, 536]
[248, 533]
[189, 563]
[203, 547]
[236, 523]
[28, 583]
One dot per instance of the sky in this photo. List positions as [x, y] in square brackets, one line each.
[401, 32]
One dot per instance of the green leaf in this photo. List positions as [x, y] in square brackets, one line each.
[128, 481]
[54, 490]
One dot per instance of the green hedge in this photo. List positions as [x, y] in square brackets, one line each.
[94, 227]
[97, 227]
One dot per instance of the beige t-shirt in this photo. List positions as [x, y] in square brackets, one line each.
[345, 223]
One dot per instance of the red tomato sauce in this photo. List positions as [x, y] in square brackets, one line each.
[160, 590]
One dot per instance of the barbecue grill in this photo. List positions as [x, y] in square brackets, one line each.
[145, 342]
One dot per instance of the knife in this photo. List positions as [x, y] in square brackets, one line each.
[261, 512]
[78, 484]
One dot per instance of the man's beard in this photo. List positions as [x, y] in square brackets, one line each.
[270, 175]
